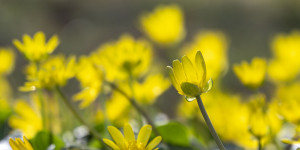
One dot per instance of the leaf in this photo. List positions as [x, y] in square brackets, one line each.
[175, 134]
[43, 140]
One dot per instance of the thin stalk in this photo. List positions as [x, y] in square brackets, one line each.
[135, 105]
[77, 115]
[259, 144]
[209, 124]
[43, 109]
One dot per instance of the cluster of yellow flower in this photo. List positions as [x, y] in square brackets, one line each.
[125, 77]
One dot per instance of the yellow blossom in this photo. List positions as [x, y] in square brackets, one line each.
[7, 61]
[36, 48]
[213, 45]
[150, 89]
[285, 48]
[288, 101]
[55, 71]
[123, 58]
[189, 77]
[18, 144]
[251, 75]
[128, 140]
[165, 25]
[117, 109]
[231, 126]
[90, 78]
[27, 119]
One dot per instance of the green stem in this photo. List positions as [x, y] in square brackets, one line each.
[77, 115]
[43, 109]
[136, 105]
[209, 124]
[259, 144]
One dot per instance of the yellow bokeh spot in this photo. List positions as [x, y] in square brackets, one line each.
[165, 25]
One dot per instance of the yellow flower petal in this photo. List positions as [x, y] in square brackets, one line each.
[189, 69]
[39, 39]
[111, 144]
[144, 135]
[52, 44]
[154, 143]
[18, 44]
[117, 137]
[128, 133]
[200, 68]
[178, 71]
[173, 78]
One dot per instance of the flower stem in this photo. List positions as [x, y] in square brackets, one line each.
[209, 124]
[259, 144]
[136, 105]
[77, 115]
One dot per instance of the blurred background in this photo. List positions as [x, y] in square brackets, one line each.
[82, 26]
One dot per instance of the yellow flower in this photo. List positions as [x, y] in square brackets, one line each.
[18, 144]
[251, 75]
[231, 126]
[189, 78]
[150, 89]
[36, 49]
[165, 25]
[285, 48]
[288, 102]
[55, 71]
[123, 58]
[7, 61]
[118, 109]
[128, 141]
[276, 74]
[213, 45]
[91, 79]
[27, 119]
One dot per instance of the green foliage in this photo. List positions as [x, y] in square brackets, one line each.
[175, 134]
[44, 139]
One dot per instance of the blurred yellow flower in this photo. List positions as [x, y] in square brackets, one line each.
[18, 144]
[36, 49]
[27, 119]
[213, 45]
[251, 75]
[117, 109]
[287, 99]
[228, 114]
[285, 48]
[128, 141]
[151, 88]
[165, 25]
[7, 61]
[264, 120]
[124, 58]
[276, 74]
[91, 79]
[189, 78]
[55, 71]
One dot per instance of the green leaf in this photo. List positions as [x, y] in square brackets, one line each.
[175, 134]
[43, 140]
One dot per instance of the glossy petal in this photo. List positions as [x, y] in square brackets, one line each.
[173, 78]
[111, 144]
[154, 143]
[144, 135]
[179, 72]
[200, 68]
[189, 69]
[40, 39]
[117, 137]
[128, 133]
